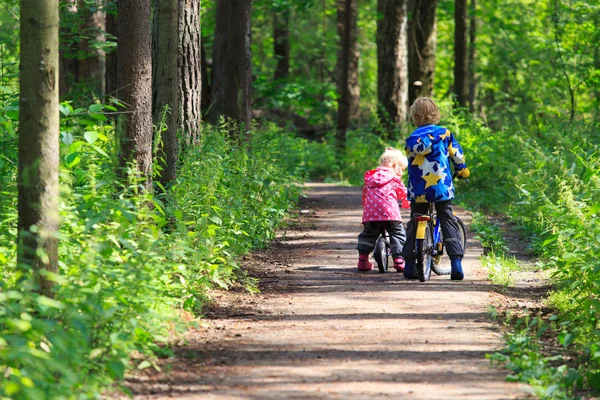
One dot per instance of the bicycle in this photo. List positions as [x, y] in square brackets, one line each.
[382, 251]
[429, 243]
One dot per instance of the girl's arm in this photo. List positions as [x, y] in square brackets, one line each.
[402, 195]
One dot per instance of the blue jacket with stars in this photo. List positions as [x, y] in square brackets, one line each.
[430, 149]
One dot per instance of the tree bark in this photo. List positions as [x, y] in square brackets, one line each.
[205, 83]
[92, 66]
[472, 55]
[111, 57]
[38, 196]
[218, 64]
[239, 64]
[343, 112]
[134, 59]
[232, 74]
[422, 41]
[165, 95]
[190, 71]
[353, 86]
[281, 42]
[392, 60]
[461, 69]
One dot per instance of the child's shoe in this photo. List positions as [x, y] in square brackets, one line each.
[410, 269]
[399, 264]
[457, 271]
[363, 263]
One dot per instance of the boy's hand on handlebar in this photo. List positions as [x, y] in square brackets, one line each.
[464, 173]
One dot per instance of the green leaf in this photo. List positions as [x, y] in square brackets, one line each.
[11, 388]
[95, 108]
[550, 239]
[65, 109]
[91, 136]
[99, 117]
[566, 339]
[48, 302]
[116, 369]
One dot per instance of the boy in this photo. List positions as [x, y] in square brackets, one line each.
[429, 149]
[381, 193]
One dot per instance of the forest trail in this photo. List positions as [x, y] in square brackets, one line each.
[320, 330]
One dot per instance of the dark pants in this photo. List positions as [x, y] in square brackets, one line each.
[450, 229]
[372, 230]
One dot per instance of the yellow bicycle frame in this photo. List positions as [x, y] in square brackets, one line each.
[421, 228]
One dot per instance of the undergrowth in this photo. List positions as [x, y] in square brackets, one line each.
[548, 183]
[131, 262]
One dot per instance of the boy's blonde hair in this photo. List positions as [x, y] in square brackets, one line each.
[424, 111]
[393, 156]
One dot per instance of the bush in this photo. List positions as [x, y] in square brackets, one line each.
[132, 262]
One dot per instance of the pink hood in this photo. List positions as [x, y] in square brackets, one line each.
[379, 177]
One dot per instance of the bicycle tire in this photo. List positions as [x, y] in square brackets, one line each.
[424, 258]
[463, 233]
[380, 255]
[435, 267]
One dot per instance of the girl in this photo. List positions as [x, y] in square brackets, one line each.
[382, 191]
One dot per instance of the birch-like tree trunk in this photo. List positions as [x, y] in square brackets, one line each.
[38, 197]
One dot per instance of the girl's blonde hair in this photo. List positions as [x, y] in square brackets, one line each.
[424, 111]
[393, 156]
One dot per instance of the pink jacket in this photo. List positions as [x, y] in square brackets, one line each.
[381, 193]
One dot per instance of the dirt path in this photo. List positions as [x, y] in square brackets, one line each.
[320, 330]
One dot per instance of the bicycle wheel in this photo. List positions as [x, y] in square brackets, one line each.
[424, 258]
[380, 255]
[463, 233]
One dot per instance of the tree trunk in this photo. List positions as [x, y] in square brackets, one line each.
[190, 71]
[422, 41]
[111, 57]
[165, 95]
[239, 64]
[281, 42]
[68, 64]
[218, 63]
[134, 58]
[461, 70]
[232, 74]
[353, 87]
[472, 54]
[91, 60]
[38, 140]
[392, 60]
[343, 112]
[205, 83]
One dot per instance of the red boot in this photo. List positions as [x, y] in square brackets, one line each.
[399, 264]
[363, 263]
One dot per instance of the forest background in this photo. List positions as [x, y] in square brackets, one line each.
[149, 228]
